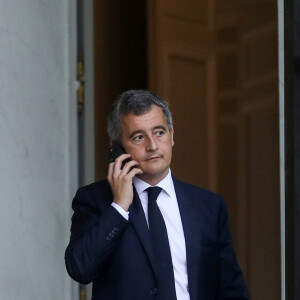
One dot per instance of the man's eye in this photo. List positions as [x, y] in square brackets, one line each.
[138, 138]
[160, 133]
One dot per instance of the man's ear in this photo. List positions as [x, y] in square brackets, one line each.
[172, 136]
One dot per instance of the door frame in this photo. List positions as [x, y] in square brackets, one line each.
[289, 82]
[86, 132]
[282, 145]
[86, 128]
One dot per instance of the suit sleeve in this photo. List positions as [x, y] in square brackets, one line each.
[231, 282]
[95, 234]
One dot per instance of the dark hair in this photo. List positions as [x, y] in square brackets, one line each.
[137, 102]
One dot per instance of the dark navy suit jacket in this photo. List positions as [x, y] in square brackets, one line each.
[115, 254]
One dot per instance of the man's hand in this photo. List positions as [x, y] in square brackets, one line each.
[121, 180]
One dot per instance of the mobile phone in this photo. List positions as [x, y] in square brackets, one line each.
[115, 151]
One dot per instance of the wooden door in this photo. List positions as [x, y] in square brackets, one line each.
[216, 63]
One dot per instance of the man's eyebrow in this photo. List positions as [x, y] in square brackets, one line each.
[135, 132]
[159, 127]
[142, 131]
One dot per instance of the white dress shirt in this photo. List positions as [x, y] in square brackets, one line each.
[168, 205]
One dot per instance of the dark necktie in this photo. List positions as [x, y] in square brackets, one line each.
[160, 246]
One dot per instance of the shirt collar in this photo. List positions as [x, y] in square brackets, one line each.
[166, 184]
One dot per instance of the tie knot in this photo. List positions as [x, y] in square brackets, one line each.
[153, 192]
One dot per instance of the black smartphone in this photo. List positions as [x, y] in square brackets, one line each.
[115, 151]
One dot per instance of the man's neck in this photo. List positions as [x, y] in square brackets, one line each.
[153, 180]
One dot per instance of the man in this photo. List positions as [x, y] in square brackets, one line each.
[142, 234]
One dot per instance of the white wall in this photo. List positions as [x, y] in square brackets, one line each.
[38, 150]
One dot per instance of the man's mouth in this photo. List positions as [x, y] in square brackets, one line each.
[153, 157]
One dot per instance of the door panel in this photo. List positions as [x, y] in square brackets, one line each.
[181, 10]
[181, 69]
[188, 92]
[259, 159]
[263, 198]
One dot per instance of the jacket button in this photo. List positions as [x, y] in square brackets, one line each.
[153, 291]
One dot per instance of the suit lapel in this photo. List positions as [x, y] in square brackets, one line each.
[192, 233]
[139, 223]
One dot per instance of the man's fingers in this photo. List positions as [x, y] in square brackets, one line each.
[118, 163]
[128, 166]
[134, 172]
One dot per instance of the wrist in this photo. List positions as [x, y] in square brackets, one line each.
[122, 205]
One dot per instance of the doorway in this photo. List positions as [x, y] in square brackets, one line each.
[216, 63]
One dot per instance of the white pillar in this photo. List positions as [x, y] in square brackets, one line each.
[38, 146]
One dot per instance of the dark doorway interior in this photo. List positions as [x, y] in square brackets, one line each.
[120, 56]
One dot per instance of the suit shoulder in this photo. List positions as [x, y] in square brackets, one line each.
[199, 197]
[100, 189]
[101, 185]
[194, 188]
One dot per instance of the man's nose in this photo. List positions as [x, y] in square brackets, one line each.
[152, 145]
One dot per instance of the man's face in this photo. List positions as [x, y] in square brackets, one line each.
[149, 141]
